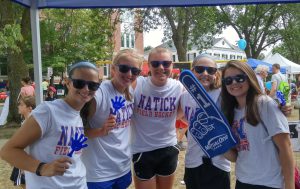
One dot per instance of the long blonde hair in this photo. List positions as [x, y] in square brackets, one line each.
[128, 55]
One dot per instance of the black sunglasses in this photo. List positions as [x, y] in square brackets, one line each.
[201, 69]
[125, 68]
[165, 63]
[79, 84]
[240, 78]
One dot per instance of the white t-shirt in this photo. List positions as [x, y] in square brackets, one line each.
[109, 157]
[258, 160]
[59, 122]
[155, 110]
[277, 78]
[194, 154]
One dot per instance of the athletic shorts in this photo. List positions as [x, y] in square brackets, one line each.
[240, 185]
[122, 182]
[180, 124]
[17, 176]
[159, 162]
[206, 176]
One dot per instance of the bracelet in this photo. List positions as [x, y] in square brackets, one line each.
[38, 169]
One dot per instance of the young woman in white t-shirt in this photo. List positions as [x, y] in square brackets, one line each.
[108, 158]
[156, 99]
[263, 156]
[47, 133]
[200, 171]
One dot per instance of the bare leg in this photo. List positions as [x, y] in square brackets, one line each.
[165, 182]
[144, 184]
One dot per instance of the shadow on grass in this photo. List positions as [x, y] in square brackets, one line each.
[8, 130]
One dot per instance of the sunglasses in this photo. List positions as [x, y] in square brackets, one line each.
[240, 78]
[125, 68]
[209, 70]
[80, 84]
[165, 63]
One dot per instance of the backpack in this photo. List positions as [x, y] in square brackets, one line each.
[284, 87]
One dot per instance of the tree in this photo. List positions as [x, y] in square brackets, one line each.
[14, 33]
[290, 46]
[186, 26]
[259, 25]
[74, 35]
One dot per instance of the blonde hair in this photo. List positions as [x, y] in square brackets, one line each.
[217, 82]
[128, 55]
[159, 50]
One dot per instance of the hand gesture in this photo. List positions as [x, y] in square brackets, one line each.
[56, 167]
[109, 124]
[77, 143]
[117, 104]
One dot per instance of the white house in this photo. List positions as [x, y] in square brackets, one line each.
[221, 50]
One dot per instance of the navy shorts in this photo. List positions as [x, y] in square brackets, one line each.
[206, 176]
[160, 162]
[118, 183]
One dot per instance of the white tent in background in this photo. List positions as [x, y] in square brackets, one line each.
[292, 68]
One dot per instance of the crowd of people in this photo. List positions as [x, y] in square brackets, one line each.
[130, 124]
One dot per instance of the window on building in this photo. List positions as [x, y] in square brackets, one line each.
[239, 57]
[127, 40]
[232, 57]
[224, 56]
[105, 70]
[174, 58]
[217, 55]
[195, 55]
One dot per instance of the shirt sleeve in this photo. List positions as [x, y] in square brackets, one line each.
[272, 117]
[42, 115]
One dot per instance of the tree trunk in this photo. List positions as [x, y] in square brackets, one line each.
[17, 68]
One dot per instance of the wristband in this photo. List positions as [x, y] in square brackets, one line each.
[38, 169]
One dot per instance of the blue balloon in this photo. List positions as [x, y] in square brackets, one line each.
[242, 44]
[269, 85]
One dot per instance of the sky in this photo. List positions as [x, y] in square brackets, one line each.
[154, 37]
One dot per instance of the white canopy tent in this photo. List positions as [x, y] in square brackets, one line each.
[39, 4]
[291, 67]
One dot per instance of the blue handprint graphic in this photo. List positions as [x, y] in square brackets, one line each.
[117, 104]
[281, 98]
[77, 143]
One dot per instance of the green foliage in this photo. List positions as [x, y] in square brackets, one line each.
[259, 25]
[186, 26]
[74, 35]
[9, 36]
[290, 46]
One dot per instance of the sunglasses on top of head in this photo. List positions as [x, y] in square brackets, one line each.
[164, 63]
[240, 78]
[80, 84]
[209, 70]
[125, 68]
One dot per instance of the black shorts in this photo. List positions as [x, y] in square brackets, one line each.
[160, 162]
[240, 185]
[17, 176]
[206, 176]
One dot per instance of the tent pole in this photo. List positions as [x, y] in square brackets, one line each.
[36, 48]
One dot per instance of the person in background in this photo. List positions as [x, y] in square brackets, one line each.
[26, 105]
[108, 158]
[277, 77]
[27, 89]
[48, 133]
[51, 94]
[45, 86]
[261, 74]
[263, 156]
